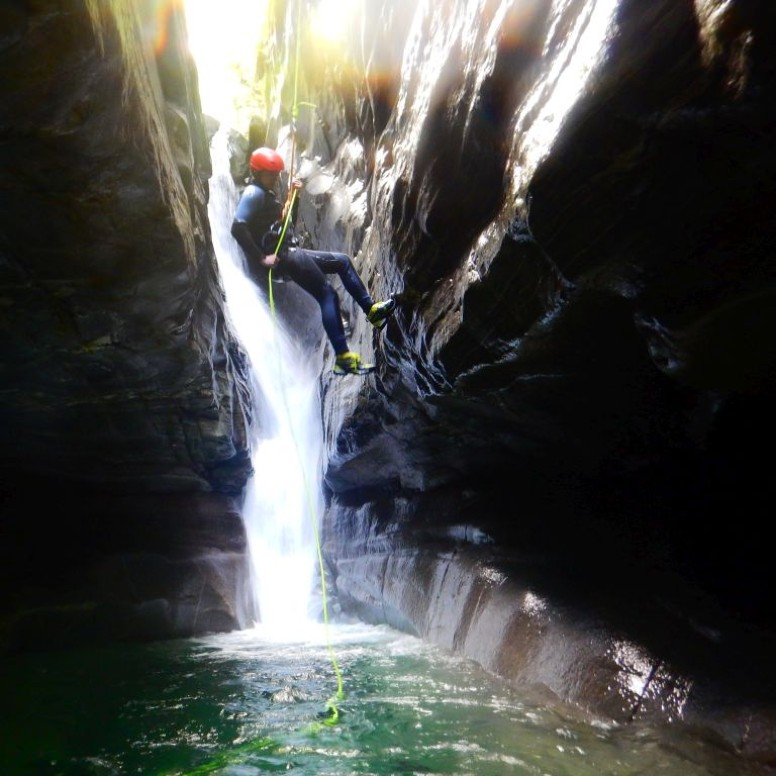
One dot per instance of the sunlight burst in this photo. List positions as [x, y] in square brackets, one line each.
[224, 38]
[331, 19]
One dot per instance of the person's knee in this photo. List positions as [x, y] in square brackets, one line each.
[341, 263]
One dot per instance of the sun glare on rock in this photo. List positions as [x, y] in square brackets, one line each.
[331, 19]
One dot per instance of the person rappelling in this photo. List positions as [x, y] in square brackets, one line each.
[263, 228]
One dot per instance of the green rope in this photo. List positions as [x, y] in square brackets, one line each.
[331, 706]
[333, 713]
[331, 717]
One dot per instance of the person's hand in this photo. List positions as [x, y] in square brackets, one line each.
[297, 184]
[270, 260]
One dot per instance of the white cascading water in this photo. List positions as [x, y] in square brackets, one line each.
[284, 498]
[283, 501]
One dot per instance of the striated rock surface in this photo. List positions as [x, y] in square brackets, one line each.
[556, 470]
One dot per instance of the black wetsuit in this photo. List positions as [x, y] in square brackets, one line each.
[256, 212]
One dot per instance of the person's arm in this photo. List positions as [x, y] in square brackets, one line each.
[242, 234]
[249, 204]
[296, 186]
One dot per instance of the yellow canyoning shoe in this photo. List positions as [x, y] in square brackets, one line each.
[350, 363]
[380, 312]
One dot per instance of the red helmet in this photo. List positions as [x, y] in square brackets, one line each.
[266, 159]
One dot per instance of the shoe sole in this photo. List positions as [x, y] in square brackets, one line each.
[364, 369]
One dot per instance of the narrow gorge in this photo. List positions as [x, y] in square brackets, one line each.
[560, 467]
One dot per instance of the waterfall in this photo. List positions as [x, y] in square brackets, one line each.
[283, 500]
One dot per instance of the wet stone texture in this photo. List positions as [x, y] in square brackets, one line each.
[123, 394]
[560, 468]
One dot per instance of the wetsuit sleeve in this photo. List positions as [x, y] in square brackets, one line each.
[242, 234]
[246, 212]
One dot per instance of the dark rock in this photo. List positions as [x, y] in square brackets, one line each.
[88, 566]
[120, 377]
[580, 368]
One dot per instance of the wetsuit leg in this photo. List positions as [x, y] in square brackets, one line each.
[340, 264]
[306, 273]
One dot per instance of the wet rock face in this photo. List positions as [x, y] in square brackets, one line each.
[584, 303]
[93, 567]
[580, 368]
[112, 323]
[117, 371]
